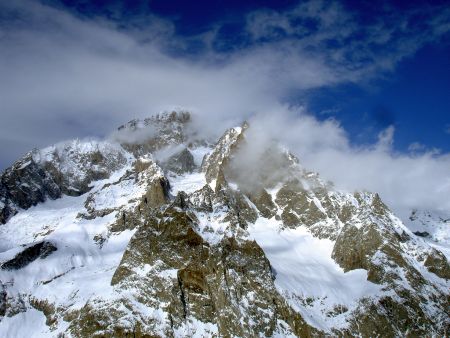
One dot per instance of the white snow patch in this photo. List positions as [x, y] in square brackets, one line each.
[199, 153]
[212, 228]
[24, 165]
[305, 270]
[25, 324]
[188, 183]
[238, 129]
[196, 329]
[117, 195]
[212, 184]
[437, 225]
[79, 269]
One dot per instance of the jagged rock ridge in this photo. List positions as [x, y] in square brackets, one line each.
[147, 239]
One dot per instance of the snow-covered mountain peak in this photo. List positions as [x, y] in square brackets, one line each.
[158, 235]
[154, 133]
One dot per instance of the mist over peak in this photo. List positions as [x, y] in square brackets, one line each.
[98, 74]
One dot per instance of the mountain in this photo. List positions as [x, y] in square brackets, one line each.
[158, 233]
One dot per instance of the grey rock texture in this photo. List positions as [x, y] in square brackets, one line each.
[23, 185]
[155, 133]
[66, 169]
[180, 163]
[31, 253]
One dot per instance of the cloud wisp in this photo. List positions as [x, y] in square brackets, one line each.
[405, 181]
[65, 76]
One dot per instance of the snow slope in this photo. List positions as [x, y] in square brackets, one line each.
[78, 270]
[304, 270]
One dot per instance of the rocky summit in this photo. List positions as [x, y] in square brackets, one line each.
[159, 233]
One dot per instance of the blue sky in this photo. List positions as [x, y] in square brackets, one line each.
[415, 99]
[358, 90]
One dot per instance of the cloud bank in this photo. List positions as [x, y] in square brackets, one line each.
[405, 181]
[64, 76]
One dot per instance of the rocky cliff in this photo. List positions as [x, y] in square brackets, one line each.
[160, 234]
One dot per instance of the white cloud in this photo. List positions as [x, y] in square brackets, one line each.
[358, 50]
[405, 181]
[65, 77]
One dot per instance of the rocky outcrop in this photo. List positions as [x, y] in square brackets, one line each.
[3, 302]
[75, 164]
[299, 205]
[23, 185]
[180, 163]
[142, 137]
[214, 164]
[228, 287]
[31, 253]
[432, 226]
[384, 250]
[157, 187]
[264, 203]
[152, 192]
[437, 263]
[51, 172]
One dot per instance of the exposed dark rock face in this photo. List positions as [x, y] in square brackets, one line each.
[193, 280]
[422, 233]
[203, 199]
[182, 201]
[214, 164]
[263, 201]
[354, 248]
[55, 171]
[438, 264]
[366, 237]
[23, 185]
[385, 255]
[157, 132]
[39, 250]
[298, 206]
[3, 301]
[179, 163]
